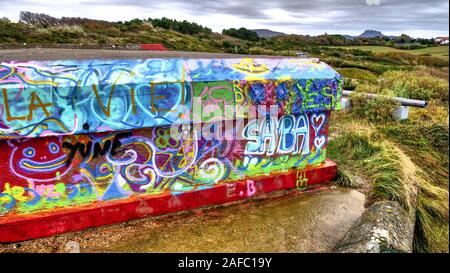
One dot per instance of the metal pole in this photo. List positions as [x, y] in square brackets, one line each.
[402, 101]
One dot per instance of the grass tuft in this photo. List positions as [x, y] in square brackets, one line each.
[345, 179]
[405, 163]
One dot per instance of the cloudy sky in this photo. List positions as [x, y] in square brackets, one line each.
[426, 18]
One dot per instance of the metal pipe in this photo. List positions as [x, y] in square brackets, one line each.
[402, 101]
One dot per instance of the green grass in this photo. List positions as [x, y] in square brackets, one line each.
[345, 178]
[415, 84]
[398, 162]
[373, 49]
[436, 51]
[357, 147]
[357, 73]
[431, 229]
[375, 159]
[400, 158]
[393, 176]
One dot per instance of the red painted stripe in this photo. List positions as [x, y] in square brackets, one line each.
[25, 227]
[156, 47]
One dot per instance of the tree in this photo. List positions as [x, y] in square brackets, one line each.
[38, 19]
[242, 33]
[179, 26]
[403, 39]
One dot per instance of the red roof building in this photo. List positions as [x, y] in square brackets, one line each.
[441, 40]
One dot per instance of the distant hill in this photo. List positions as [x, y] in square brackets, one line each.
[267, 33]
[349, 37]
[41, 29]
[371, 34]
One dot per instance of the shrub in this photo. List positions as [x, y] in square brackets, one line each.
[71, 32]
[377, 109]
[411, 59]
[417, 84]
[349, 84]
[180, 26]
[357, 73]
[242, 33]
[102, 40]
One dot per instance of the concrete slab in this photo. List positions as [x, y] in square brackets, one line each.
[292, 222]
[401, 113]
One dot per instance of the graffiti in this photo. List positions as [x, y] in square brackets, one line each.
[29, 161]
[301, 181]
[86, 150]
[78, 132]
[44, 98]
[151, 161]
[317, 123]
[212, 169]
[44, 197]
[251, 187]
[291, 132]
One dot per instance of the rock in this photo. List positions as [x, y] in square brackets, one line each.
[383, 227]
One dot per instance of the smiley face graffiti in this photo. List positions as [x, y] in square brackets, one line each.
[39, 161]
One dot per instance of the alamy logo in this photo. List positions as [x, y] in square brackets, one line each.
[373, 2]
[72, 247]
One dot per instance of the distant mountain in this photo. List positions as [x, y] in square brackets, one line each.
[349, 37]
[267, 33]
[371, 34]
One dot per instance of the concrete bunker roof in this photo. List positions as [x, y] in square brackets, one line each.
[161, 67]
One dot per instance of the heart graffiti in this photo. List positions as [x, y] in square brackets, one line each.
[317, 122]
[319, 142]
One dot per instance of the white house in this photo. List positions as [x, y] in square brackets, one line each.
[441, 40]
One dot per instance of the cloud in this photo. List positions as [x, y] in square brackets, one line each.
[414, 17]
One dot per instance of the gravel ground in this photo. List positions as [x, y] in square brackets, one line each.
[78, 54]
[285, 222]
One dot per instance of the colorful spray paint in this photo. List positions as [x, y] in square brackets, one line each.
[88, 143]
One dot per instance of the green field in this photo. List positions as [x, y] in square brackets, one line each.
[436, 51]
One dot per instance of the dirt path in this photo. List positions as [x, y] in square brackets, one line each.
[79, 54]
[296, 222]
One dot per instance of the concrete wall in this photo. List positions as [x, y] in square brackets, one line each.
[75, 133]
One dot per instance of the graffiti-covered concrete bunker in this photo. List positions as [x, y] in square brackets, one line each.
[93, 142]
